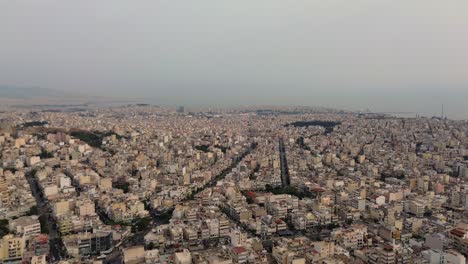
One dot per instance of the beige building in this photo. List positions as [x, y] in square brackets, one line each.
[62, 207]
[459, 237]
[19, 142]
[11, 248]
[325, 249]
[105, 183]
[26, 225]
[39, 259]
[184, 257]
[134, 255]
[85, 208]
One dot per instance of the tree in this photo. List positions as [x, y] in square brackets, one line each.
[33, 211]
[45, 154]
[151, 246]
[4, 227]
[43, 221]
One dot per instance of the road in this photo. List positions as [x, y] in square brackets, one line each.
[138, 238]
[57, 248]
[285, 180]
[225, 172]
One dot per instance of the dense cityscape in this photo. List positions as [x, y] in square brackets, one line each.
[149, 184]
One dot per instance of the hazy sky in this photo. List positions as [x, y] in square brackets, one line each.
[239, 51]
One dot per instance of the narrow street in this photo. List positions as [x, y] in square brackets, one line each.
[285, 180]
[57, 249]
[138, 238]
[226, 171]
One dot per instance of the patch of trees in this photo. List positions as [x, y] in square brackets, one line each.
[122, 185]
[222, 148]
[150, 246]
[395, 174]
[45, 154]
[300, 142]
[35, 123]
[328, 125]
[137, 224]
[301, 194]
[44, 221]
[418, 147]
[12, 169]
[428, 213]
[93, 138]
[333, 226]
[141, 224]
[146, 204]
[255, 170]
[204, 148]
[165, 216]
[4, 228]
[33, 211]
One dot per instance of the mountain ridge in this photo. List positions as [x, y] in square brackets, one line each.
[18, 92]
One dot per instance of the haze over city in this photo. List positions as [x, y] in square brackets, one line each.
[386, 56]
[234, 132]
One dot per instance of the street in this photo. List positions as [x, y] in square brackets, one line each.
[57, 249]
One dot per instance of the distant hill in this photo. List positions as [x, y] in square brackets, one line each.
[15, 95]
[14, 92]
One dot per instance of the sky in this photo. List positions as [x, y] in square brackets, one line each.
[398, 55]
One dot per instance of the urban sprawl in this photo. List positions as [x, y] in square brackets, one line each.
[147, 184]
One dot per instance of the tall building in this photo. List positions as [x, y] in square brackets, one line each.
[382, 255]
[459, 237]
[4, 192]
[40, 245]
[11, 248]
[88, 243]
